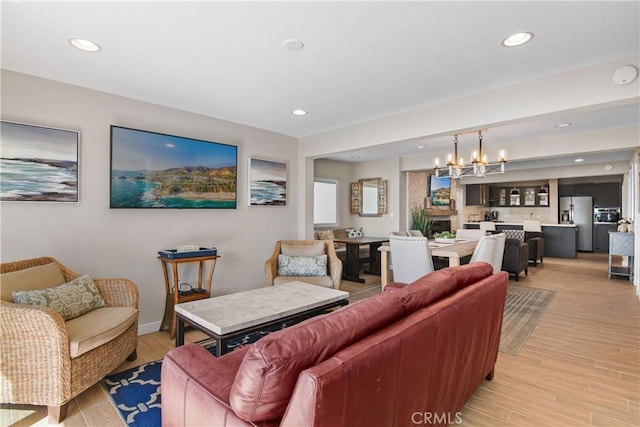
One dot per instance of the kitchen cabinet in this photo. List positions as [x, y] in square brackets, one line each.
[565, 190]
[607, 194]
[601, 237]
[584, 189]
[477, 195]
[560, 241]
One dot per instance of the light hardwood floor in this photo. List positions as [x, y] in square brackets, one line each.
[581, 365]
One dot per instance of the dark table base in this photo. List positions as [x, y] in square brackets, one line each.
[222, 341]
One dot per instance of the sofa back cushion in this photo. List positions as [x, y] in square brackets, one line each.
[267, 376]
[435, 286]
[38, 277]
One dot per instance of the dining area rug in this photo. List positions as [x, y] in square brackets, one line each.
[523, 310]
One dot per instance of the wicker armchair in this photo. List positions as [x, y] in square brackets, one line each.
[305, 248]
[35, 362]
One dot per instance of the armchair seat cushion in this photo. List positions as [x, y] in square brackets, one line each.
[97, 327]
[325, 281]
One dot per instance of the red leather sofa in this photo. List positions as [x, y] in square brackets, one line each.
[411, 355]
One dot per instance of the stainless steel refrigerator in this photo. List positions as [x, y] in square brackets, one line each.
[580, 209]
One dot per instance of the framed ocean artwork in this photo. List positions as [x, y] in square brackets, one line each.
[155, 170]
[267, 182]
[439, 190]
[38, 163]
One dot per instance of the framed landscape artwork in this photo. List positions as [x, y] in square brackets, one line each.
[155, 170]
[267, 182]
[439, 190]
[38, 163]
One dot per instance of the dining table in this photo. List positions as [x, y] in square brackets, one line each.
[351, 269]
[453, 251]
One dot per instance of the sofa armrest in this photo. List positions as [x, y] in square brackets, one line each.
[34, 344]
[118, 292]
[334, 264]
[196, 386]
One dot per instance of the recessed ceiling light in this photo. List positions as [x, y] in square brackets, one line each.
[299, 112]
[517, 39]
[86, 45]
[420, 147]
[563, 125]
[579, 160]
[354, 157]
[293, 44]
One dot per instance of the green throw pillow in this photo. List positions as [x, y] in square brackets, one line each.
[71, 299]
[302, 265]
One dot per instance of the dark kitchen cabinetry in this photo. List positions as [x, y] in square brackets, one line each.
[565, 190]
[477, 195]
[607, 194]
[584, 189]
[601, 237]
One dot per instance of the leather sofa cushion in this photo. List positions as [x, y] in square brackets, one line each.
[469, 274]
[97, 327]
[425, 290]
[436, 285]
[38, 277]
[268, 374]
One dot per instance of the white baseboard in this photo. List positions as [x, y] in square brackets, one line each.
[148, 328]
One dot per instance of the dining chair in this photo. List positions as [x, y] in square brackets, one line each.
[411, 258]
[485, 251]
[487, 226]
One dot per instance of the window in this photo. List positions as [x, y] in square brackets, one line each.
[325, 202]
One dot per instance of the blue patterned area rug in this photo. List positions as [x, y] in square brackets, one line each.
[136, 391]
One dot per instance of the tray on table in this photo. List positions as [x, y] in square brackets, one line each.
[174, 254]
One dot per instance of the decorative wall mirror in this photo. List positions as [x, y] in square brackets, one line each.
[369, 197]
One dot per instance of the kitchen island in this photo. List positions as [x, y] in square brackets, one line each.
[560, 240]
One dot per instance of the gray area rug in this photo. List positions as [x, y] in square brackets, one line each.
[523, 309]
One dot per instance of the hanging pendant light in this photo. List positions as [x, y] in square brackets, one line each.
[480, 166]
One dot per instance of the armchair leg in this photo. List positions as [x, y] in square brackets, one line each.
[133, 356]
[57, 413]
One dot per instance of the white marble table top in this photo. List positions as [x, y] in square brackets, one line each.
[233, 312]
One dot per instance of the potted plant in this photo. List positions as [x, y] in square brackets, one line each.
[421, 220]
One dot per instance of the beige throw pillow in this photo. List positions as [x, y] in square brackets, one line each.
[71, 299]
[313, 249]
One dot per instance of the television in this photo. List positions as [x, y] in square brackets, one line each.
[155, 170]
[439, 190]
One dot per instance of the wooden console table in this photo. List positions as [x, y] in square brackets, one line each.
[173, 296]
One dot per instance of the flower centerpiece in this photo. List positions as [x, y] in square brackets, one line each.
[445, 237]
[623, 225]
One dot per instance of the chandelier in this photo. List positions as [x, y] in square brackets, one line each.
[479, 167]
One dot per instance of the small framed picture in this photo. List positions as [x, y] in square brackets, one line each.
[39, 164]
[267, 182]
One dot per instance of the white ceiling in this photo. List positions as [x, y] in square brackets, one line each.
[361, 60]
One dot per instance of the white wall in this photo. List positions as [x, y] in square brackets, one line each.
[91, 238]
[346, 173]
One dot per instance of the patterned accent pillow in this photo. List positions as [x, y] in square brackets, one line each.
[325, 234]
[514, 234]
[70, 299]
[302, 265]
[355, 232]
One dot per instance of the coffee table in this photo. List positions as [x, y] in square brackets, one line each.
[230, 316]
